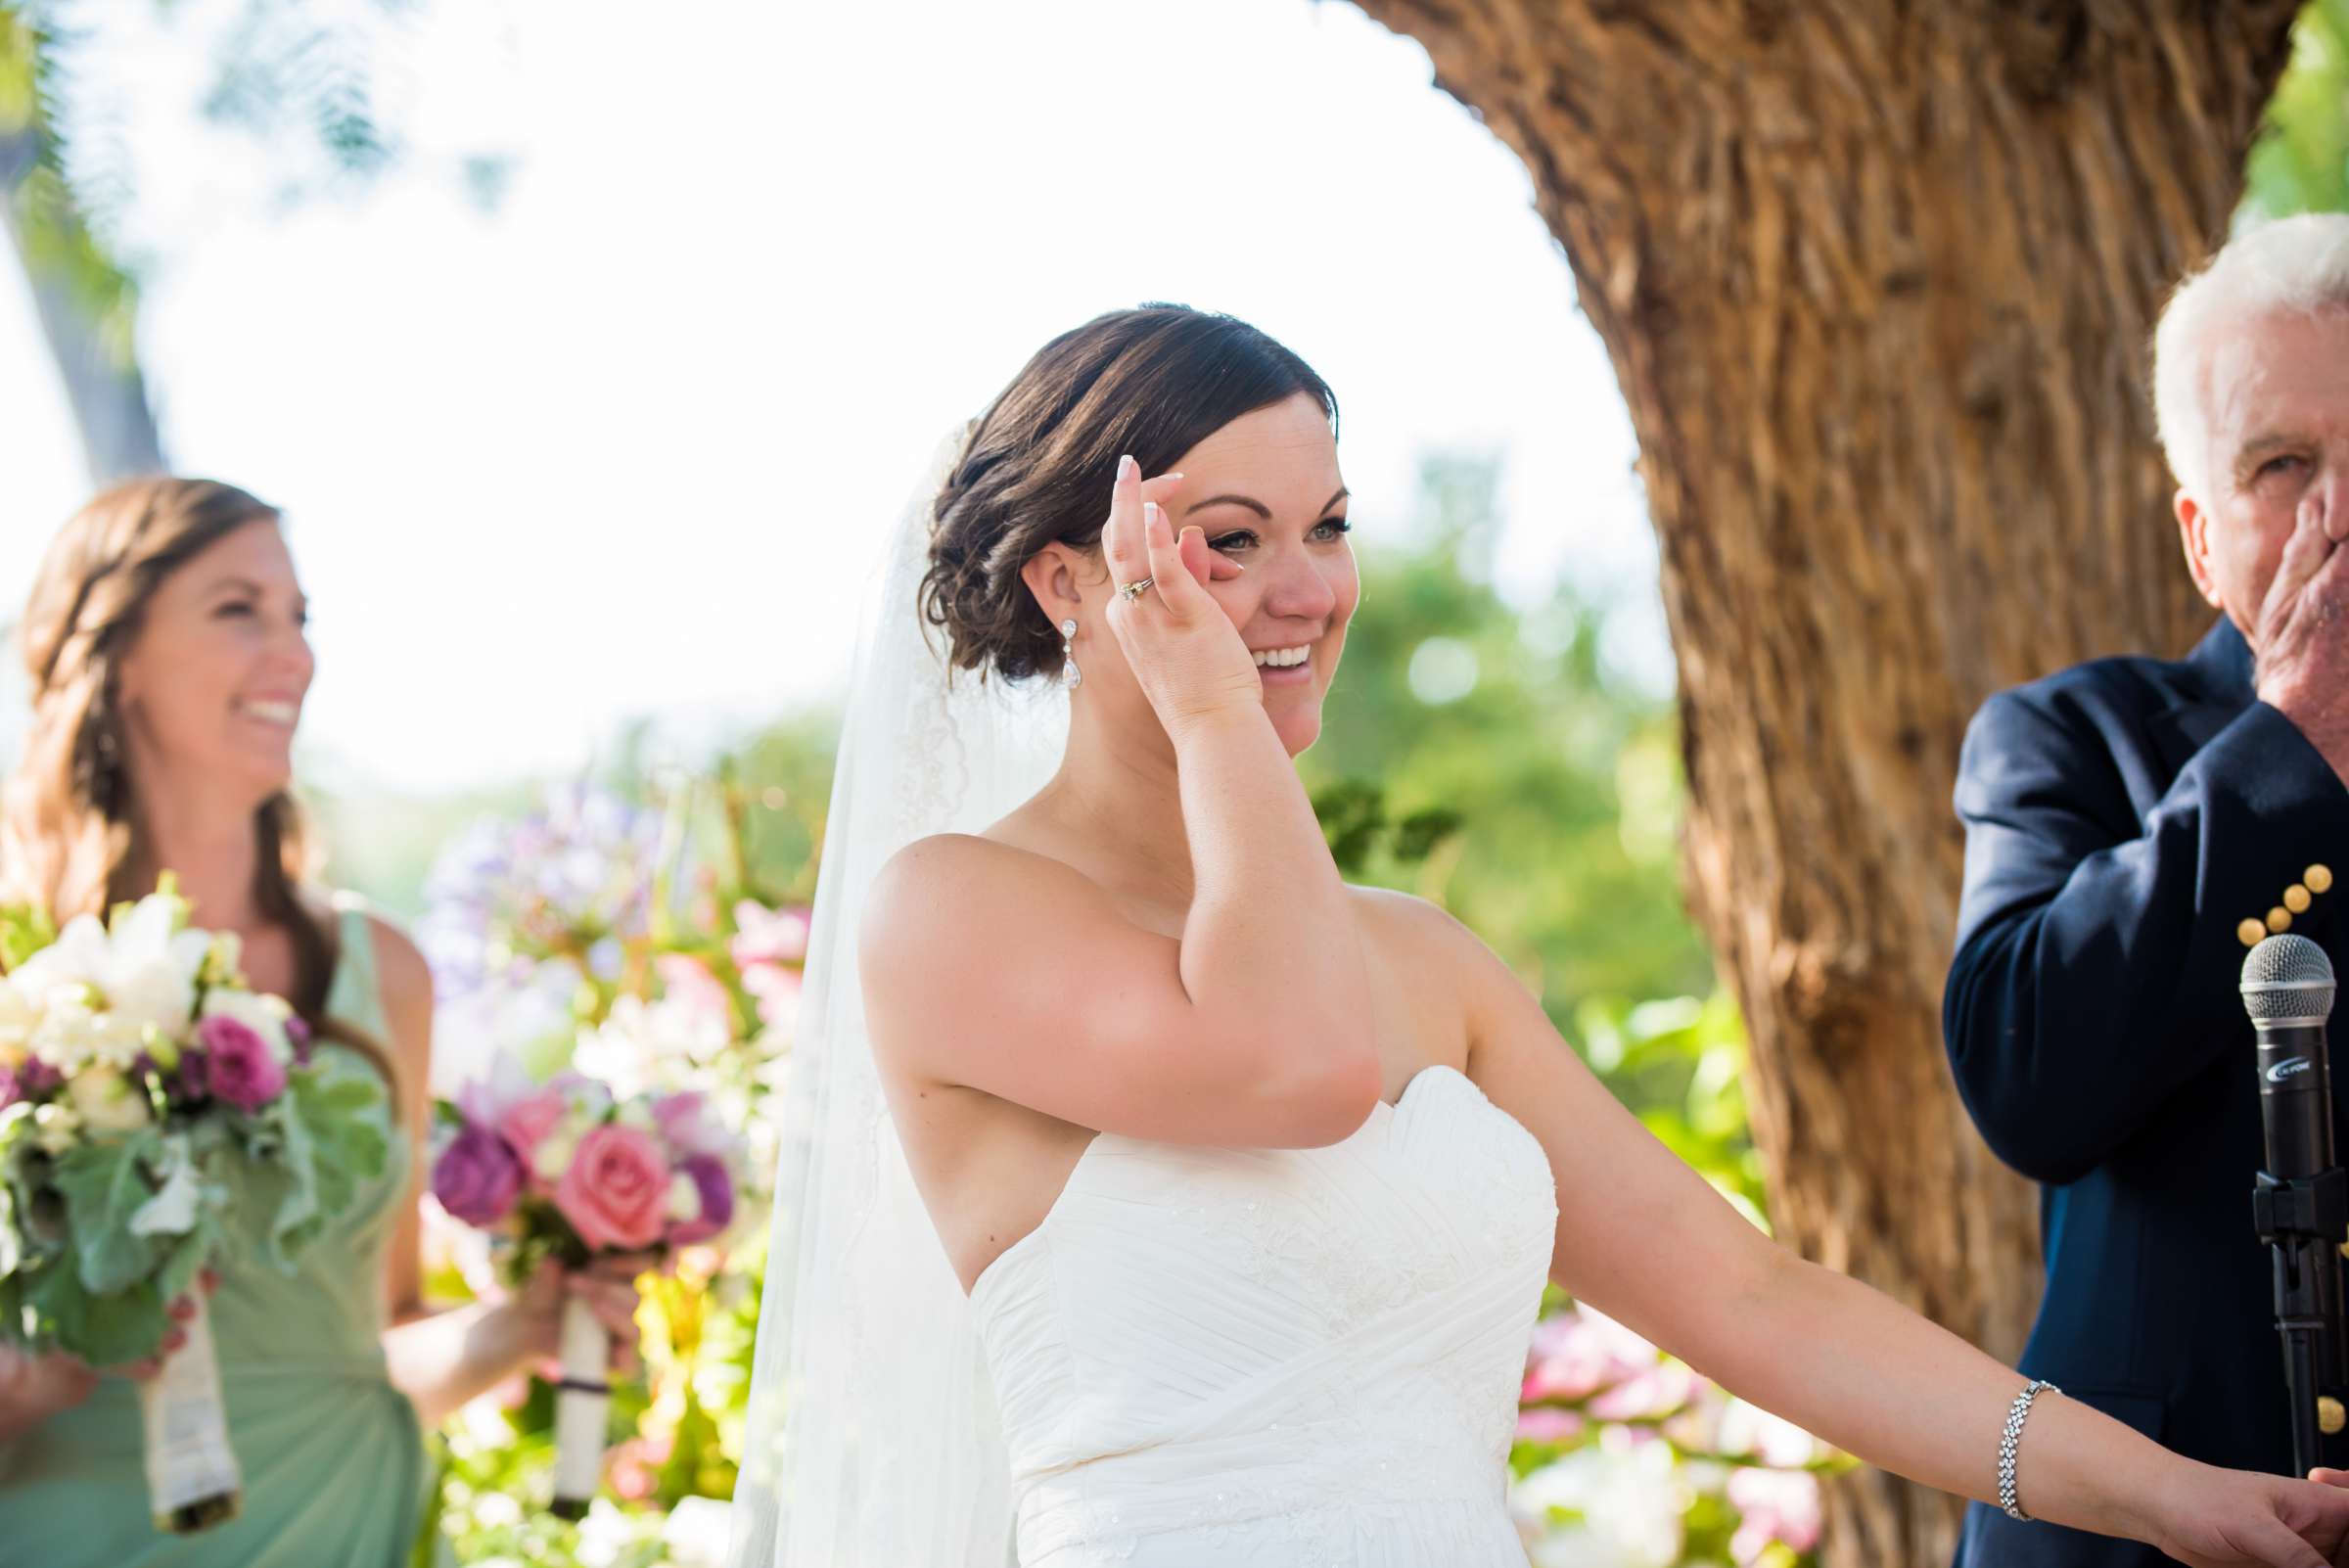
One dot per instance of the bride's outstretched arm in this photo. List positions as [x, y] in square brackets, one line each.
[1646, 1240]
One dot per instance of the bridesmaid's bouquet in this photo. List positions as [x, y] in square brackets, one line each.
[569, 1170]
[140, 1078]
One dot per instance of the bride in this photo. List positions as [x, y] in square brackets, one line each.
[1158, 1199]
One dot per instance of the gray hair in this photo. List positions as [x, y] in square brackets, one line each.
[2295, 264]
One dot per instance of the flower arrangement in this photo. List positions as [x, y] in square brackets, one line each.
[573, 1171]
[652, 952]
[137, 1069]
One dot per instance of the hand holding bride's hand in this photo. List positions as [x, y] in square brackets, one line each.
[2237, 1519]
[1182, 648]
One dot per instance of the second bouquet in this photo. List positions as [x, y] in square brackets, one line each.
[157, 1116]
[567, 1169]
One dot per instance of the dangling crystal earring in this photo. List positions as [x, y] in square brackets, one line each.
[1070, 674]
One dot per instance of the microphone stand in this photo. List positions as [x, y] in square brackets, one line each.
[2304, 1223]
[2300, 1201]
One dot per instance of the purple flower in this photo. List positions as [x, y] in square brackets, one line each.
[191, 1082]
[716, 1188]
[476, 1178]
[37, 1080]
[298, 1036]
[242, 1069]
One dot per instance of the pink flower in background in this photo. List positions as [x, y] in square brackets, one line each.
[1773, 1505]
[525, 1121]
[476, 1178]
[485, 1100]
[767, 935]
[240, 1067]
[1579, 1352]
[635, 1464]
[1550, 1424]
[616, 1191]
[776, 989]
[717, 1190]
[687, 983]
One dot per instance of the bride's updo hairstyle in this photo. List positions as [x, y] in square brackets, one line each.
[1150, 382]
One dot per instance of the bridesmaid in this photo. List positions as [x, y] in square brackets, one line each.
[168, 659]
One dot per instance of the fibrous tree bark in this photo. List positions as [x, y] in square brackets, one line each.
[1878, 278]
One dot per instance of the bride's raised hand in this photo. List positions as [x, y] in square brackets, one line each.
[1185, 651]
[2237, 1519]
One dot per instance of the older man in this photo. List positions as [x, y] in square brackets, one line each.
[2132, 824]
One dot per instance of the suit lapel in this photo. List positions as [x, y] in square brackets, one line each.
[2215, 691]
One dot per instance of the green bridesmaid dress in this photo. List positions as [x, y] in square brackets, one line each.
[334, 1460]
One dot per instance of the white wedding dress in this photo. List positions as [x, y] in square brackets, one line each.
[1289, 1357]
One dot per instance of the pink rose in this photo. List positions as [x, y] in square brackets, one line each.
[239, 1064]
[616, 1192]
[526, 1121]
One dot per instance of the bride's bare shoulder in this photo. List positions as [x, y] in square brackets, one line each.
[936, 893]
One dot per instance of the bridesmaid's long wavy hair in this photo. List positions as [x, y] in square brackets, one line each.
[70, 821]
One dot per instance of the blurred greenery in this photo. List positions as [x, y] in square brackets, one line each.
[2300, 162]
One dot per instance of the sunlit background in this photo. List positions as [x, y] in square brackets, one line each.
[595, 405]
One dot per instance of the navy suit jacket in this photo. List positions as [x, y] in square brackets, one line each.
[2122, 819]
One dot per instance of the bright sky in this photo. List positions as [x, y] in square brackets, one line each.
[631, 443]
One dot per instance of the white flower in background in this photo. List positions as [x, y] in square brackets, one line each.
[56, 1127]
[684, 1198]
[171, 1212]
[19, 1014]
[617, 1052]
[106, 1101]
[263, 1014]
[637, 1114]
[1629, 1502]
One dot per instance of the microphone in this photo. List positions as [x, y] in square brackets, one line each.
[2301, 1201]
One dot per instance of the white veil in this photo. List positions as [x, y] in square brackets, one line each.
[874, 1440]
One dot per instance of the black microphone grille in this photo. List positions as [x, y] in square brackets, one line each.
[2288, 978]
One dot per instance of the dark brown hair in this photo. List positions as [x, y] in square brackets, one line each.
[1151, 382]
[69, 822]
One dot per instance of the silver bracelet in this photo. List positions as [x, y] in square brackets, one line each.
[2016, 1415]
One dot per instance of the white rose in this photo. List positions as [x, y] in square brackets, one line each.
[685, 1199]
[106, 1101]
[264, 1015]
[67, 1034]
[57, 1127]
